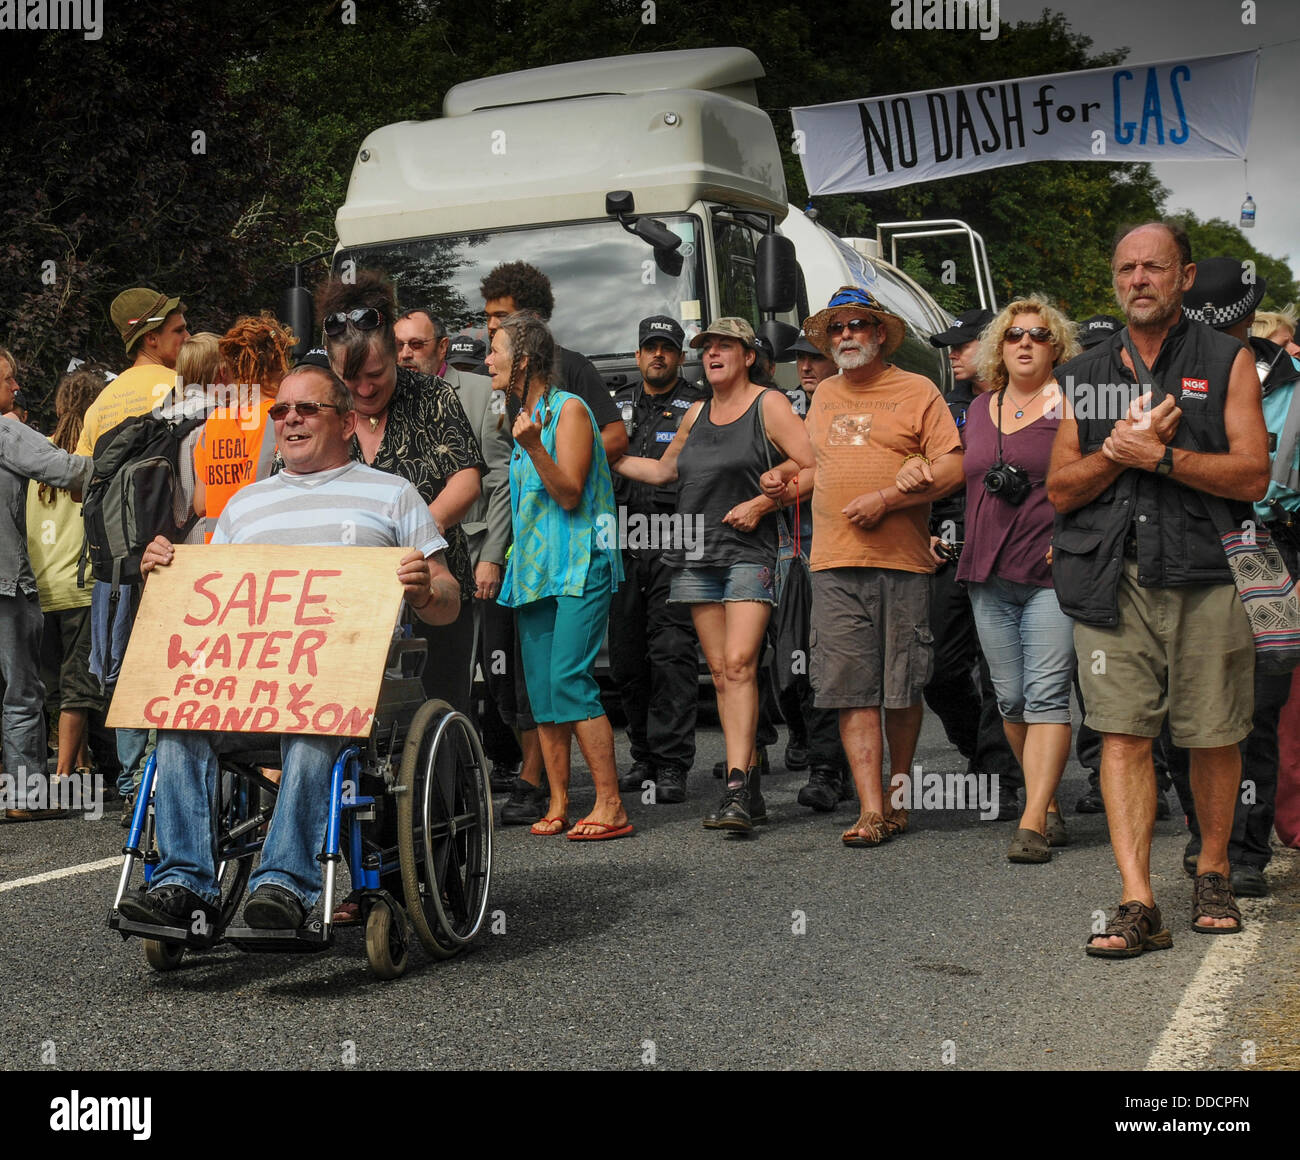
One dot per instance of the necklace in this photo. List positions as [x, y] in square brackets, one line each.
[1020, 414]
[373, 420]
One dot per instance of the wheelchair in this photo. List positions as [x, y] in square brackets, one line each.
[410, 803]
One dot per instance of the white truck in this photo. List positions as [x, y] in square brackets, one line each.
[643, 184]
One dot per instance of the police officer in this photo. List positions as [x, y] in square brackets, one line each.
[967, 709]
[652, 643]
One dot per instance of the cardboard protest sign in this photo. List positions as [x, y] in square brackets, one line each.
[261, 639]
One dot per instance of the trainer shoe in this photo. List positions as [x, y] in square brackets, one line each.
[641, 771]
[527, 804]
[822, 793]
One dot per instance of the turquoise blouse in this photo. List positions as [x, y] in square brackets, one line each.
[553, 548]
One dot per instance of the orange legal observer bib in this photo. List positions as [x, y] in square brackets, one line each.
[233, 451]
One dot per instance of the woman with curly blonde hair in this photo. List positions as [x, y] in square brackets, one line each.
[1006, 563]
[238, 442]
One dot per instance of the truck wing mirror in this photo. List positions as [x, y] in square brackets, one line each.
[620, 203]
[777, 275]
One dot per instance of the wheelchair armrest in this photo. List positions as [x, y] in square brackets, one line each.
[408, 655]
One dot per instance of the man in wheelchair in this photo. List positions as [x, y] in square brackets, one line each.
[321, 492]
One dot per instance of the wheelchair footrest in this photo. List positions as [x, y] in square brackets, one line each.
[305, 940]
[168, 934]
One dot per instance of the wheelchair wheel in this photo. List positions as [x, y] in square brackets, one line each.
[163, 956]
[444, 828]
[386, 941]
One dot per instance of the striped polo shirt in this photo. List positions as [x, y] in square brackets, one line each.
[352, 504]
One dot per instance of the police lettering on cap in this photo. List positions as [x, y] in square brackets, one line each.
[661, 326]
[1098, 329]
[466, 352]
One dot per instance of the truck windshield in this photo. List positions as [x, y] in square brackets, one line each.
[605, 280]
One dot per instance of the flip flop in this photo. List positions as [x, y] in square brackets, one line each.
[564, 825]
[606, 833]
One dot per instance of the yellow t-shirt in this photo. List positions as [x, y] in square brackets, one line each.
[860, 437]
[134, 392]
[54, 536]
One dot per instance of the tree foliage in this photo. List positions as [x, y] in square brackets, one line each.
[103, 176]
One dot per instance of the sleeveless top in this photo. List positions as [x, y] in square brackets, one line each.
[553, 548]
[718, 468]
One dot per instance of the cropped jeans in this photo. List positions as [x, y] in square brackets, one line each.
[1029, 645]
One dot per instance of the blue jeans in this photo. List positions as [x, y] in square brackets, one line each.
[1029, 645]
[185, 805]
[21, 625]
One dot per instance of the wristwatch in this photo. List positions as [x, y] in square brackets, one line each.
[1166, 464]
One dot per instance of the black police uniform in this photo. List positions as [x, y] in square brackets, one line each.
[652, 643]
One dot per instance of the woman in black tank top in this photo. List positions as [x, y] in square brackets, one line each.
[726, 551]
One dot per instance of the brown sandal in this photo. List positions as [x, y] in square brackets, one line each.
[1212, 897]
[895, 823]
[871, 822]
[1140, 928]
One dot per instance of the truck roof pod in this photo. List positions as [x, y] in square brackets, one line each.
[728, 71]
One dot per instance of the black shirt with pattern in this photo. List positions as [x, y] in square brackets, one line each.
[427, 439]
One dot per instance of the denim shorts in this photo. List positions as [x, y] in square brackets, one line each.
[718, 585]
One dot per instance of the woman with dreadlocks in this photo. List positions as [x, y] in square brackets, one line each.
[563, 569]
[238, 441]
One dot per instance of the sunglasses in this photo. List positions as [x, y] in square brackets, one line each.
[416, 344]
[279, 411]
[365, 319]
[856, 325]
[1037, 333]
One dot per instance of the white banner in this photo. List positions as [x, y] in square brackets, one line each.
[1178, 110]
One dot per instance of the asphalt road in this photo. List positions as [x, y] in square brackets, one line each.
[677, 948]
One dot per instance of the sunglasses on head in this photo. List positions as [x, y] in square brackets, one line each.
[365, 319]
[856, 325]
[279, 411]
[1037, 333]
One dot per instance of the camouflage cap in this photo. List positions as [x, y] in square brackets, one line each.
[736, 328]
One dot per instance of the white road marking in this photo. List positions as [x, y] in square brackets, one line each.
[1188, 1041]
[64, 872]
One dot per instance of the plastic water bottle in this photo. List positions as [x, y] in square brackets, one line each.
[1248, 213]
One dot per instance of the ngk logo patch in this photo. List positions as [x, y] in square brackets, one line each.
[1196, 389]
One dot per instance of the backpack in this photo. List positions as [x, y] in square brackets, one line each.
[134, 495]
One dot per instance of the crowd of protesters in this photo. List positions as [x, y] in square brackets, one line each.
[977, 551]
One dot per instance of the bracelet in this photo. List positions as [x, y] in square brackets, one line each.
[916, 455]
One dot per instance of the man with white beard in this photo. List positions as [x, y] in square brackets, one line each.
[886, 447]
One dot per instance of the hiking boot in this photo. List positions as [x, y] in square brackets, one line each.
[502, 776]
[527, 804]
[670, 786]
[128, 810]
[822, 793]
[631, 781]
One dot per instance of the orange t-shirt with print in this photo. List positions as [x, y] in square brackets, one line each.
[235, 450]
[861, 436]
